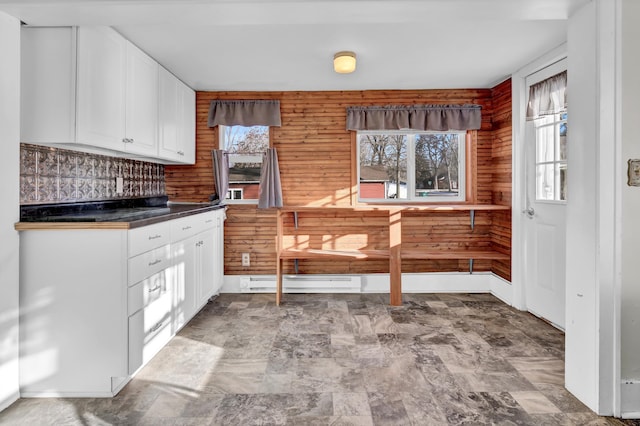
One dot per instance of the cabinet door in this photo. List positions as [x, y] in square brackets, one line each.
[167, 114]
[101, 87]
[141, 120]
[48, 84]
[184, 279]
[206, 265]
[149, 330]
[177, 119]
[218, 256]
[187, 124]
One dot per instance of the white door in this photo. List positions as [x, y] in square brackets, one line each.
[545, 210]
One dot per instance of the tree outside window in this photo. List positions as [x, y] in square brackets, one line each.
[411, 166]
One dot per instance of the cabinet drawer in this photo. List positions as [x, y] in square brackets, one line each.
[147, 291]
[149, 237]
[191, 225]
[149, 331]
[149, 263]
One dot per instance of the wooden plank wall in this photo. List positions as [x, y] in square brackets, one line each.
[501, 174]
[337, 230]
[450, 231]
[315, 156]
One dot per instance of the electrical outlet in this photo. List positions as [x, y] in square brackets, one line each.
[246, 260]
[119, 185]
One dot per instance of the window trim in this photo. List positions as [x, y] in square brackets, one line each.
[465, 139]
[253, 157]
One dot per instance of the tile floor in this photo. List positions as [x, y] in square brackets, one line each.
[342, 360]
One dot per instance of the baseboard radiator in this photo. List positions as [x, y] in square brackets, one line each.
[303, 284]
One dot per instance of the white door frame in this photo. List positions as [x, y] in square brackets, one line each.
[594, 34]
[518, 243]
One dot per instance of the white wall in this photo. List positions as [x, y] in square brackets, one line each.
[9, 211]
[591, 333]
[630, 235]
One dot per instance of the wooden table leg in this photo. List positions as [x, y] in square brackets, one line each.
[279, 227]
[278, 281]
[395, 260]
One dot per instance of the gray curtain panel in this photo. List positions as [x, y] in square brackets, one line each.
[221, 172]
[270, 186]
[415, 117]
[548, 96]
[244, 113]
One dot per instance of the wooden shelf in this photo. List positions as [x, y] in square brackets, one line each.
[421, 254]
[397, 207]
[333, 254]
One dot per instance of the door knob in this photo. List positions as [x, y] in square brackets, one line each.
[530, 212]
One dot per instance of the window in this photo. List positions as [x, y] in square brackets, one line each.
[245, 146]
[234, 194]
[411, 166]
[551, 157]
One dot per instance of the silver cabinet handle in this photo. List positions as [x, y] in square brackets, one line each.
[155, 262]
[155, 237]
[156, 327]
[127, 140]
[180, 152]
[184, 228]
[156, 288]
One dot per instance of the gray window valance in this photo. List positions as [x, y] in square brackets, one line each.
[244, 113]
[415, 117]
[548, 96]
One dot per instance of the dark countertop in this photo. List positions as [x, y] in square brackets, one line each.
[119, 214]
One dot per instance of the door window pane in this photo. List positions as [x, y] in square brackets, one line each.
[561, 173]
[551, 157]
[563, 139]
[545, 187]
[545, 145]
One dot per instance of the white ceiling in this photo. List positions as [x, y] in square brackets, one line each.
[269, 45]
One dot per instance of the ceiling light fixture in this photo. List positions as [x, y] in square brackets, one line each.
[344, 62]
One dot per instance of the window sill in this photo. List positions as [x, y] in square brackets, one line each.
[240, 202]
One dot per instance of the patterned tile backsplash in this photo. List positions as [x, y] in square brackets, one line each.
[53, 175]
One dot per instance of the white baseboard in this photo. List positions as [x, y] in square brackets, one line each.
[630, 399]
[450, 282]
[502, 289]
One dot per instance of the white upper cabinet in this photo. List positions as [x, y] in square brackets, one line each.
[101, 90]
[141, 119]
[48, 85]
[177, 106]
[89, 89]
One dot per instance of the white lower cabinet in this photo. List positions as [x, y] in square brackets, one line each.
[96, 305]
[195, 255]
